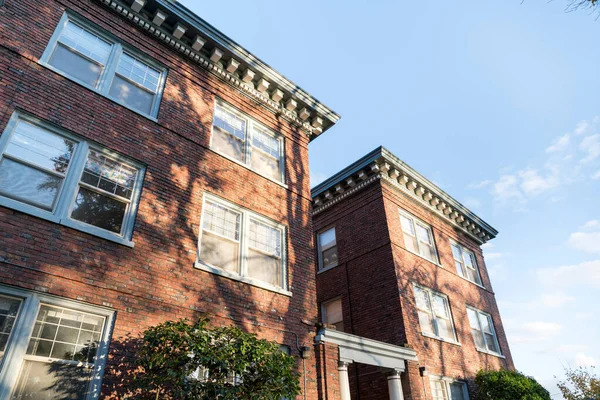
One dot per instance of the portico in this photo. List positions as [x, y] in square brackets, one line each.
[357, 349]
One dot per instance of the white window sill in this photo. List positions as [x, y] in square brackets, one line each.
[244, 279]
[470, 281]
[441, 339]
[48, 216]
[61, 73]
[420, 256]
[491, 353]
[327, 268]
[249, 168]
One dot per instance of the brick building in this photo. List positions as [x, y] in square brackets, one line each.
[402, 286]
[150, 169]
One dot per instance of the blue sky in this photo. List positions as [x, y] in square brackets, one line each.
[496, 102]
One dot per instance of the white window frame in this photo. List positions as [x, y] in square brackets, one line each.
[322, 249]
[324, 309]
[447, 382]
[483, 314]
[23, 328]
[466, 252]
[107, 75]
[436, 335]
[242, 275]
[248, 147]
[67, 194]
[416, 221]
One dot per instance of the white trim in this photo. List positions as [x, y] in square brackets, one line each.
[354, 348]
[430, 294]
[109, 68]
[66, 195]
[241, 275]
[23, 327]
[247, 142]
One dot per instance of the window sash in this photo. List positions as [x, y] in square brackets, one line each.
[441, 388]
[246, 218]
[108, 69]
[252, 130]
[322, 248]
[64, 202]
[465, 268]
[15, 355]
[411, 231]
[434, 316]
[477, 328]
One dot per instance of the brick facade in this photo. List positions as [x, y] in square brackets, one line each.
[374, 279]
[155, 280]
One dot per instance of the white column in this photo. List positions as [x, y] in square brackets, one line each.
[344, 382]
[395, 386]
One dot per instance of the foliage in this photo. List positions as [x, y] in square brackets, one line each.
[184, 360]
[580, 384]
[508, 385]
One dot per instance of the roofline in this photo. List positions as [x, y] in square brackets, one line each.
[380, 156]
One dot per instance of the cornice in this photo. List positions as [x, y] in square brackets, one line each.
[174, 25]
[380, 164]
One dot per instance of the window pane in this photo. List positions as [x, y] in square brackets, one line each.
[491, 343]
[423, 234]
[407, 225]
[327, 238]
[265, 238]
[266, 165]
[457, 391]
[264, 268]
[440, 307]
[109, 175]
[329, 257]
[229, 134]
[85, 42]
[99, 210]
[411, 243]
[473, 318]
[428, 252]
[333, 312]
[456, 252]
[53, 380]
[28, 184]
[40, 147]
[230, 123]
[138, 72]
[9, 308]
[426, 322]
[267, 143]
[422, 300]
[219, 252]
[132, 95]
[75, 65]
[438, 390]
[478, 337]
[221, 220]
[445, 328]
[461, 269]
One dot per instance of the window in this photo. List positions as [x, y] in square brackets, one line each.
[465, 262]
[331, 314]
[96, 60]
[245, 141]
[434, 314]
[418, 237]
[241, 244]
[60, 177]
[53, 348]
[448, 389]
[327, 246]
[483, 331]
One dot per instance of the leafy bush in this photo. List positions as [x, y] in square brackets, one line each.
[508, 385]
[183, 360]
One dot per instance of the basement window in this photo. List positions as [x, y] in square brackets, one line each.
[96, 60]
[443, 388]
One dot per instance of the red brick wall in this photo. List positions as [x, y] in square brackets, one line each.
[155, 280]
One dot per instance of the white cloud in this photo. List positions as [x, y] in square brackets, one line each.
[556, 299]
[579, 275]
[488, 245]
[591, 224]
[582, 127]
[493, 256]
[588, 242]
[480, 185]
[559, 144]
[590, 145]
[472, 203]
[507, 188]
[533, 184]
[583, 360]
[583, 315]
[596, 175]
[537, 331]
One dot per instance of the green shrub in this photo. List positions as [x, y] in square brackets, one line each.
[508, 385]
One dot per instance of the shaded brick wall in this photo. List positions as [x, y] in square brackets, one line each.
[155, 280]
